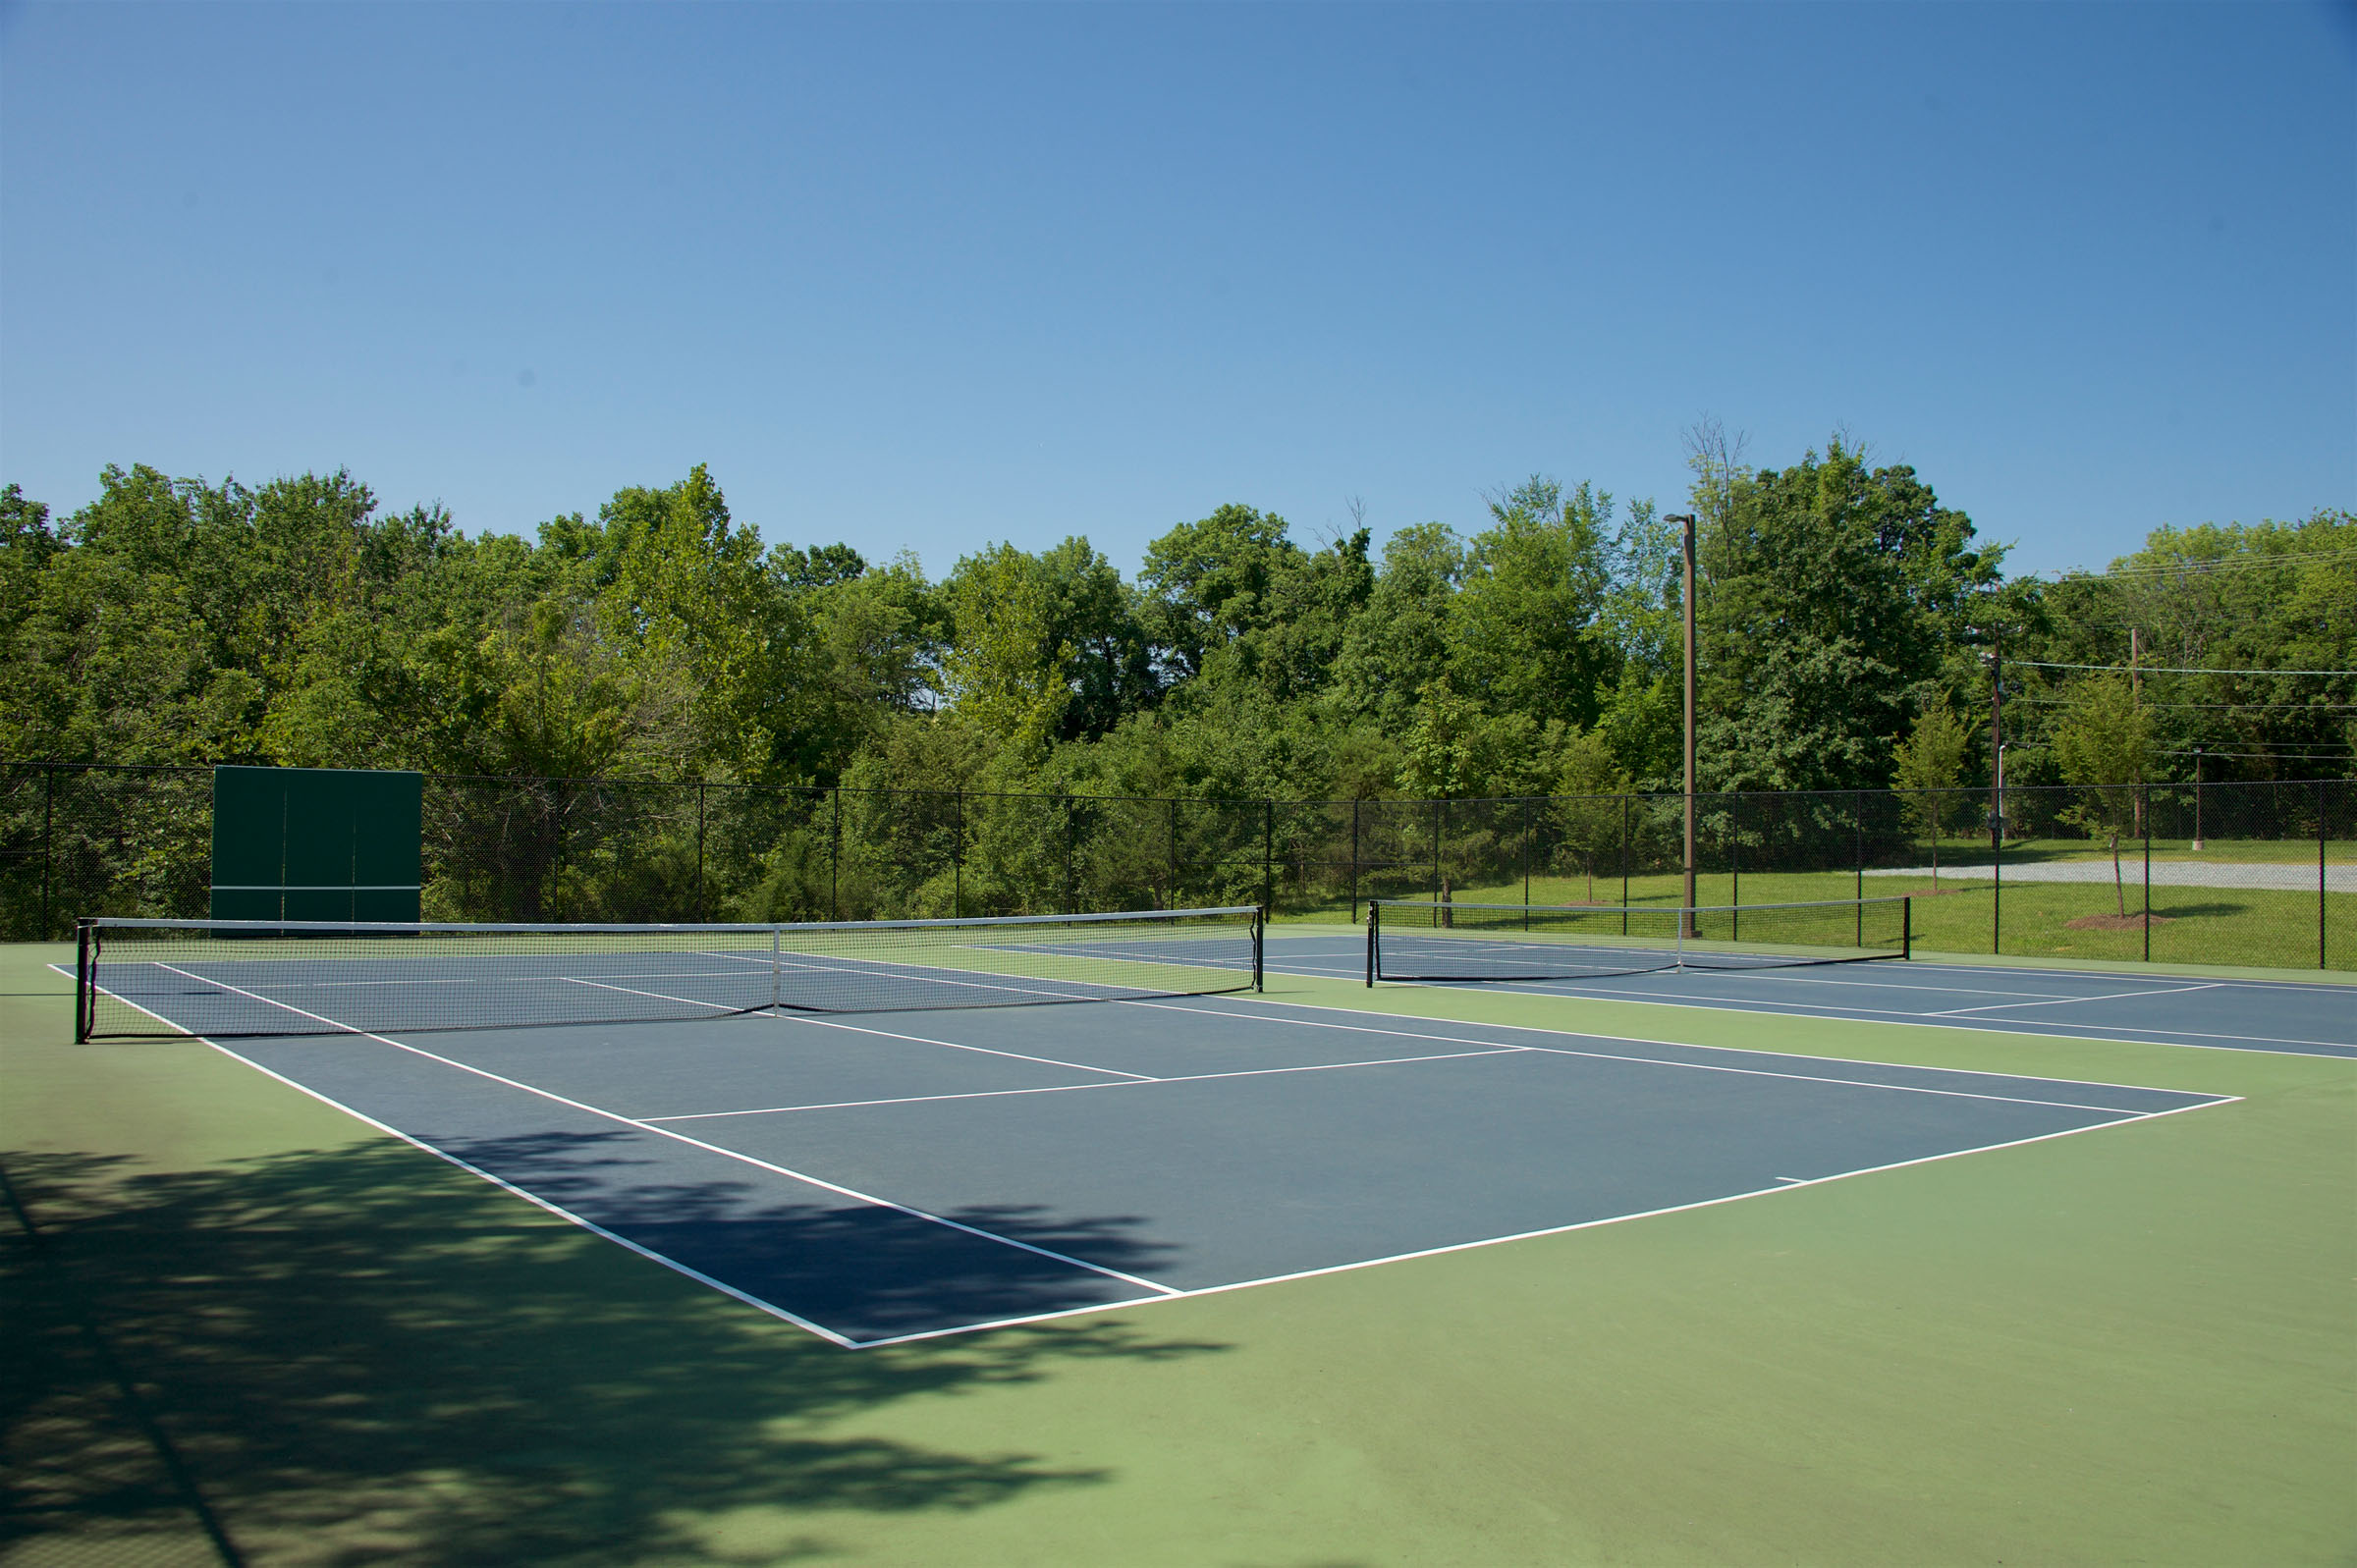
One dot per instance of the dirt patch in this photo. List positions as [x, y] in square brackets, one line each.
[2115, 922]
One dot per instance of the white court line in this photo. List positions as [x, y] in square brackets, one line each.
[532, 1198]
[1784, 975]
[1793, 975]
[698, 1142]
[1703, 1066]
[659, 996]
[1349, 969]
[1681, 1045]
[1073, 1088]
[886, 1034]
[2117, 995]
[2189, 1039]
[2255, 983]
[1785, 1185]
[986, 1051]
[1166, 1292]
[899, 969]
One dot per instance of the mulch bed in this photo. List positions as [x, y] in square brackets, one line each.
[2115, 922]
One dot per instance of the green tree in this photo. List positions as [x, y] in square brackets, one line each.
[1206, 584]
[1927, 763]
[1523, 625]
[1588, 806]
[2244, 606]
[1107, 659]
[1833, 595]
[1399, 644]
[1002, 669]
[2105, 746]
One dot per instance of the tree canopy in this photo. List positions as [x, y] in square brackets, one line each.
[1846, 619]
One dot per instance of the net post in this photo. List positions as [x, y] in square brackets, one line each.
[83, 1011]
[1260, 930]
[777, 990]
[1907, 927]
[1372, 907]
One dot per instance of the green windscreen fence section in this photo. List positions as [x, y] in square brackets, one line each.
[316, 844]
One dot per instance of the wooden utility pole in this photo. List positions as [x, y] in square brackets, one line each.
[1688, 521]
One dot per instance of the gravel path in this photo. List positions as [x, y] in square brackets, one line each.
[2166, 874]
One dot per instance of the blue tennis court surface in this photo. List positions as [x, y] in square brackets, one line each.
[877, 1177]
[2311, 1017]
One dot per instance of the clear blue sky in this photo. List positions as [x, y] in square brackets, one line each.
[926, 278]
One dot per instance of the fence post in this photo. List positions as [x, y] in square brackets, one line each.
[1624, 854]
[699, 849]
[2319, 873]
[1996, 880]
[49, 844]
[1069, 832]
[1858, 823]
[1436, 806]
[1526, 862]
[2144, 814]
[1734, 866]
[1268, 858]
[835, 861]
[1170, 897]
[958, 859]
[1354, 862]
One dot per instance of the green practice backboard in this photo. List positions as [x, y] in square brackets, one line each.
[316, 844]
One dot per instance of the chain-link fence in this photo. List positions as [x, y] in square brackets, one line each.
[2246, 873]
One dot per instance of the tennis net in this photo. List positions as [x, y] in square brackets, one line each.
[1424, 940]
[231, 976]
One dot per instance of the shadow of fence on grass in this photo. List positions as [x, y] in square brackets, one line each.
[358, 1359]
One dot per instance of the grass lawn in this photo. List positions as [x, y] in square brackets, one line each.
[2130, 1345]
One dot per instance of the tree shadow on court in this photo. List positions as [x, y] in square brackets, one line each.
[352, 1356]
[870, 1272]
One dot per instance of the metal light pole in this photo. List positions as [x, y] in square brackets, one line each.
[1687, 523]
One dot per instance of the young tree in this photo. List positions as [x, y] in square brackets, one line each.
[1930, 760]
[2104, 744]
[1588, 808]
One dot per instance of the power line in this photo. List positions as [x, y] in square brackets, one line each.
[2241, 563]
[2168, 670]
[2303, 706]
